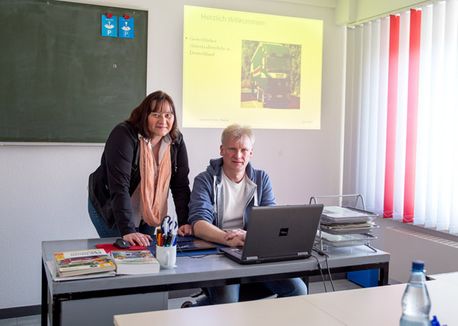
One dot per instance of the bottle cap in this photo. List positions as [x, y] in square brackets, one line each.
[435, 321]
[418, 266]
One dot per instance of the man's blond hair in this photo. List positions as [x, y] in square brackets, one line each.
[236, 131]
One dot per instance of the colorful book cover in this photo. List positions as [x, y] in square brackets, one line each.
[135, 262]
[83, 262]
[140, 256]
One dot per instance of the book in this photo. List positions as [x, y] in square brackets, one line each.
[83, 262]
[52, 270]
[130, 262]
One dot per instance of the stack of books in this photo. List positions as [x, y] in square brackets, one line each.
[131, 262]
[83, 262]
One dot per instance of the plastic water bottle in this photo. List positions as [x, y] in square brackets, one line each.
[416, 303]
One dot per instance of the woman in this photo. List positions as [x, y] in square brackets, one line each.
[143, 157]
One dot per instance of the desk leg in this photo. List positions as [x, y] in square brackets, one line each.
[307, 283]
[383, 274]
[56, 311]
[44, 296]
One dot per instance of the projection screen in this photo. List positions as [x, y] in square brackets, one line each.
[255, 69]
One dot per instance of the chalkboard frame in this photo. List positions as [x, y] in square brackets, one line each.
[62, 81]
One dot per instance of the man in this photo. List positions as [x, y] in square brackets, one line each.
[221, 200]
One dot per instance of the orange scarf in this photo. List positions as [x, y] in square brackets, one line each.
[154, 194]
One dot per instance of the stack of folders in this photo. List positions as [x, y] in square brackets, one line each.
[344, 226]
[131, 262]
[83, 262]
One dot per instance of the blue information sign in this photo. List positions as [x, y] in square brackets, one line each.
[126, 27]
[109, 25]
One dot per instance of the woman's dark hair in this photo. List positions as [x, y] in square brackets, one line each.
[152, 103]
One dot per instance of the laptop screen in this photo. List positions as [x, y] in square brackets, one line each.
[281, 231]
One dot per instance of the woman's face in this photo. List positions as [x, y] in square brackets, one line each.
[160, 122]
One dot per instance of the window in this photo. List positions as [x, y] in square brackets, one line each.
[402, 93]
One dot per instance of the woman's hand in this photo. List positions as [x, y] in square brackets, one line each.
[185, 229]
[138, 238]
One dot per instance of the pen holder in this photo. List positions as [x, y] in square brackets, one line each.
[166, 256]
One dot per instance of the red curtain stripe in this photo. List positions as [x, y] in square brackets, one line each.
[391, 116]
[412, 110]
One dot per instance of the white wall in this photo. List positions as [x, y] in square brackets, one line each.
[351, 12]
[43, 188]
[406, 243]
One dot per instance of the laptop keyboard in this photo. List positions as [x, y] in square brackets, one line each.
[237, 251]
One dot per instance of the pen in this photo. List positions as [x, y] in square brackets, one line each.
[159, 237]
[173, 240]
[170, 239]
[167, 239]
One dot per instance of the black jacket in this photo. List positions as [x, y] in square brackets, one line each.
[117, 177]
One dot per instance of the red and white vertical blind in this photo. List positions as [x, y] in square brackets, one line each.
[404, 88]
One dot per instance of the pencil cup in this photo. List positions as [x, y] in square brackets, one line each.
[166, 256]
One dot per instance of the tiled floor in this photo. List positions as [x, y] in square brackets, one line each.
[315, 287]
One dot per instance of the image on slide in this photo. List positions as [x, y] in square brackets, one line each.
[271, 75]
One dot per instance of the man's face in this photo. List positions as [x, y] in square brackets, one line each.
[236, 153]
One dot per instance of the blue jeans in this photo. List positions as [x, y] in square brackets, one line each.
[230, 293]
[105, 232]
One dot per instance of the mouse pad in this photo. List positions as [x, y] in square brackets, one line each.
[109, 247]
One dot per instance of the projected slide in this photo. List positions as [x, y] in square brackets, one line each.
[255, 69]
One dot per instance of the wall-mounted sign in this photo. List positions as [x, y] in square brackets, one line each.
[109, 25]
[126, 26]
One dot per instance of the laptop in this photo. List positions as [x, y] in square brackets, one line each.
[277, 233]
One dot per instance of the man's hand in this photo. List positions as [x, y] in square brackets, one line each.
[212, 233]
[185, 229]
[235, 238]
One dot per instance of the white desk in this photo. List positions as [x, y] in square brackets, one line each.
[379, 306]
[272, 312]
[382, 305]
[66, 299]
[448, 277]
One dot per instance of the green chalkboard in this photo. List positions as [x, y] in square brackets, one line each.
[60, 80]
